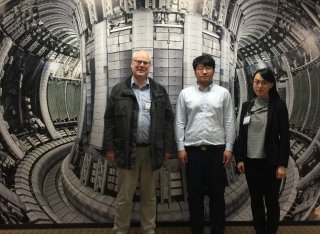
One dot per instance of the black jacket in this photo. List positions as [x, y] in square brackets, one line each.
[277, 141]
[121, 118]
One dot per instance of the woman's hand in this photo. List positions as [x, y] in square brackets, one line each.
[281, 172]
[240, 167]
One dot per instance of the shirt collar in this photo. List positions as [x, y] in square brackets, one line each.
[208, 88]
[134, 82]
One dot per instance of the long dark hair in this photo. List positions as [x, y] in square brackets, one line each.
[267, 74]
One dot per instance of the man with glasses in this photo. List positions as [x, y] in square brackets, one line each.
[138, 137]
[205, 133]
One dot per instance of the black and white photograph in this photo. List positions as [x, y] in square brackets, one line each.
[74, 118]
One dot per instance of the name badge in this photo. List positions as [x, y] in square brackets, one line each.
[147, 106]
[246, 119]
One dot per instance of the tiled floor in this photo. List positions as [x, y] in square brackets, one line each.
[308, 229]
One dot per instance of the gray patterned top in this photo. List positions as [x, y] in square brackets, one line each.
[257, 129]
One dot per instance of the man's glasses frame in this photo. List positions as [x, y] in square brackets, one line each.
[141, 62]
[202, 68]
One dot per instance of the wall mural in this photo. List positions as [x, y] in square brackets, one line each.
[60, 59]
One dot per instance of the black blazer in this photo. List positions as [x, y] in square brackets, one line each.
[277, 141]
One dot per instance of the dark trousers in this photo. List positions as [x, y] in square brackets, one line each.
[264, 191]
[206, 175]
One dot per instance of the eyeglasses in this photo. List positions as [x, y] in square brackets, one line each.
[139, 62]
[202, 68]
[261, 82]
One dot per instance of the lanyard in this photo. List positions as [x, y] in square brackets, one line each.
[247, 118]
[252, 112]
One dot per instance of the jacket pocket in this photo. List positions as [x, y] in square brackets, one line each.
[122, 114]
[121, 107]
[159, 153]
[120, 151]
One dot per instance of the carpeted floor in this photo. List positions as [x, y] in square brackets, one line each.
[299, 229]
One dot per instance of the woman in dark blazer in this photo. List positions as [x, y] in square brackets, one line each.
[263, 150]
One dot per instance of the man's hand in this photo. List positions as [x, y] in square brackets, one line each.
[166, 156]
[182, 156]
[110, 156]
[227, 157]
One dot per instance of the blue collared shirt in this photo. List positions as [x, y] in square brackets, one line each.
[205, 117]
[144, 100]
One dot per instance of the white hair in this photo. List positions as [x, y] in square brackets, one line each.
[135, 54]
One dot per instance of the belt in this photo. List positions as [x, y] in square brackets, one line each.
[207, 147]
[204, 147]
[143, 144]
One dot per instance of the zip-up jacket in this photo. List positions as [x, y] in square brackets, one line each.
[121, 119]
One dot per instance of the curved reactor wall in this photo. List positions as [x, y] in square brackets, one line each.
[59, 62]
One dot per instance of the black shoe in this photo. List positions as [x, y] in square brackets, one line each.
[197, 231]
[261, 232]
[216, 231]
[271, 232]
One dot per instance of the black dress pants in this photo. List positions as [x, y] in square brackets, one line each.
[264, 191]
[206, 175]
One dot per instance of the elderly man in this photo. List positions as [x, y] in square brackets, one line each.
[138, 137]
